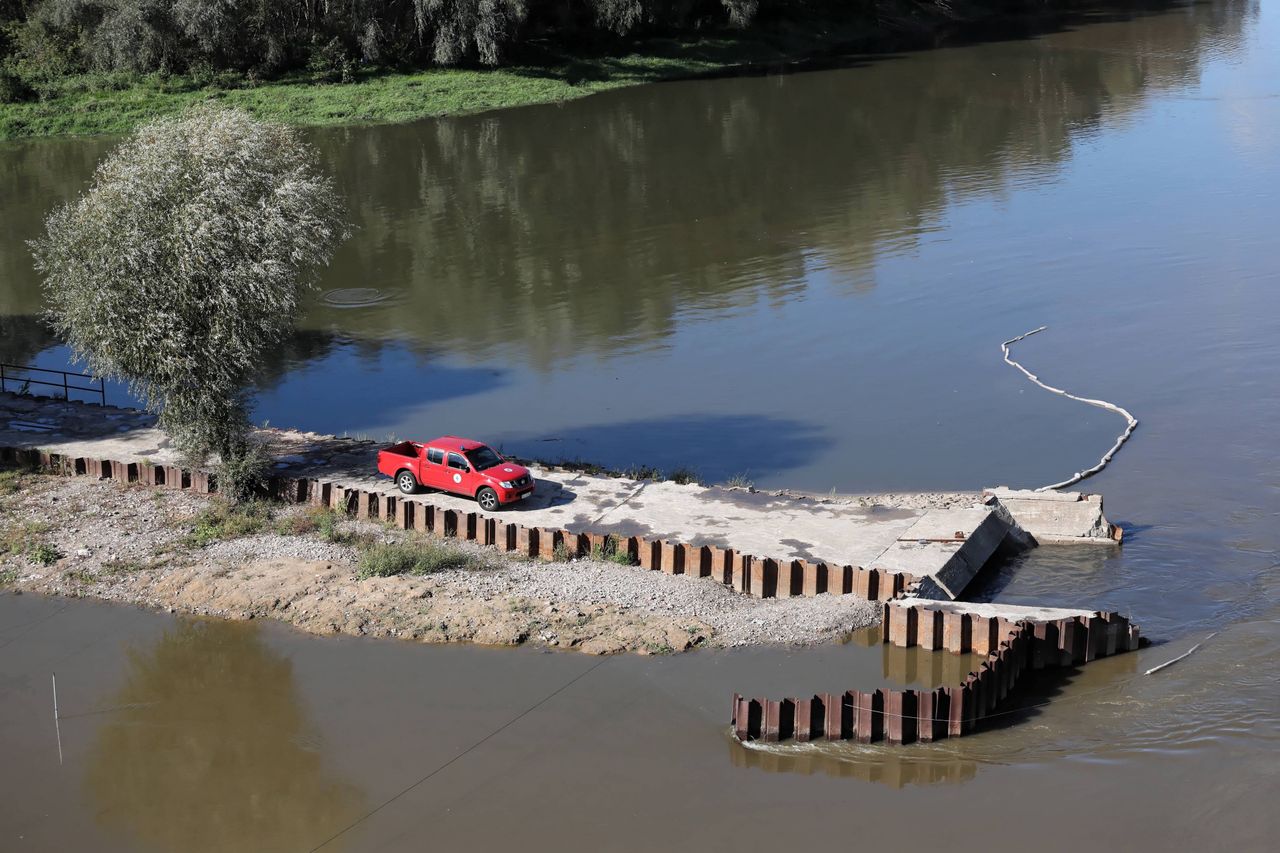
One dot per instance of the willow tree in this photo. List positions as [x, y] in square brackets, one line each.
[185, 259]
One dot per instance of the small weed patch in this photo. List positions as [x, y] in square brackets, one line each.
[8, 577]
[44, 554]
[683, 476]
[298, 524]
[11, 481]
[121, 567]
[413, 558]
[324, 522]
[609, 553]
[561, 553]
[740, 481]
[24, 540]
[642, 472]
[223, 520]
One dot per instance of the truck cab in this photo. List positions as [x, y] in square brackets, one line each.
[458, 465]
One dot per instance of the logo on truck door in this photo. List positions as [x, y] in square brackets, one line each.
[457, 478]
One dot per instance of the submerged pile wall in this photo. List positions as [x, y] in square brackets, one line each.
[909, 715]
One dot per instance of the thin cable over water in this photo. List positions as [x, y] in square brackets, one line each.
[462, 754]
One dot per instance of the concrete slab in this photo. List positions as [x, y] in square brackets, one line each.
[946, 548]
[1010, 612]
[839, 531]
[1057, 517]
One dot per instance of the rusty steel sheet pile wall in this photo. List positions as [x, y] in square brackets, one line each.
[764, 577]
[911, 715]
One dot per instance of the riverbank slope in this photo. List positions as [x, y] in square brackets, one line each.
[183, 552]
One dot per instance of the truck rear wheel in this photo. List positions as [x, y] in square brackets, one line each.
[406, 482]
[487, 498]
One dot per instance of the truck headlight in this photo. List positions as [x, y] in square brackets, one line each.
[506, 484]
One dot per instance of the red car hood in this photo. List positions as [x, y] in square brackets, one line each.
[506, 472]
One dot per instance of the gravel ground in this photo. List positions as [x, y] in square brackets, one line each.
[127, 543]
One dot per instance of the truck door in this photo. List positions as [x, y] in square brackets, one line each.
[462, 479]
[434, 475]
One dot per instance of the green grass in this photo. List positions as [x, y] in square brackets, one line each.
[11, 481]
[8, 577]
[94, 104]
[609, 553]
[44, 554]
[413, 558]
[117, 102]
[683, 476]
[642, 472]
[224, 520]
[24, 540]
[112, 568]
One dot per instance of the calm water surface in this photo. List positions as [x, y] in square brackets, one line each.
[805, 278]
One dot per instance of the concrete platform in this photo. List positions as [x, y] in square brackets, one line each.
[1057, 518]
[945, 545]
[1008, 612]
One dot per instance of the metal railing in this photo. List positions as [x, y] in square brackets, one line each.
[21, 375]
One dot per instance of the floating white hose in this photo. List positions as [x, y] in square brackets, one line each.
[1101, 404]
[1182, 656]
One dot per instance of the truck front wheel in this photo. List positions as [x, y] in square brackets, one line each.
[487, 498]
[406, 482]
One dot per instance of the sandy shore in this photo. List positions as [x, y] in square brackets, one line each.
[131, 544]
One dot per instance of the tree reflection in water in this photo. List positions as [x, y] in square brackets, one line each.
[214, 750]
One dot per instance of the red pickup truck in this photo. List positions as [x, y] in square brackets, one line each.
[457, 465]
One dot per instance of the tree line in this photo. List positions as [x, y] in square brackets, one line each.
[269, 37]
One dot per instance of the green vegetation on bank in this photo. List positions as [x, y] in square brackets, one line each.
[117, 102]
[388, 559]
[69, 73]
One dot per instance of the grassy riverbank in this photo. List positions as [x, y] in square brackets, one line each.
[87, 104]
[115, 103]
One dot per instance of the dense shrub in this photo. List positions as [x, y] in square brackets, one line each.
[214, 223]
[13, 88]
[332, 39]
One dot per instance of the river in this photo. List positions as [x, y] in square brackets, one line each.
[804, 279]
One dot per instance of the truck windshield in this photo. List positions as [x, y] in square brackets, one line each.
[482, 458]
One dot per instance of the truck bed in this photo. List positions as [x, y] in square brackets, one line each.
[403, 455]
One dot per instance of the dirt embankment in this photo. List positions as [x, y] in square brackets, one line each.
[173, 550]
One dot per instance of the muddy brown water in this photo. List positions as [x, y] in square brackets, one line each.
[804, 278]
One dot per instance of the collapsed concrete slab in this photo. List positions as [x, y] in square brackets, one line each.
[945, 549]
[1056, 518]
